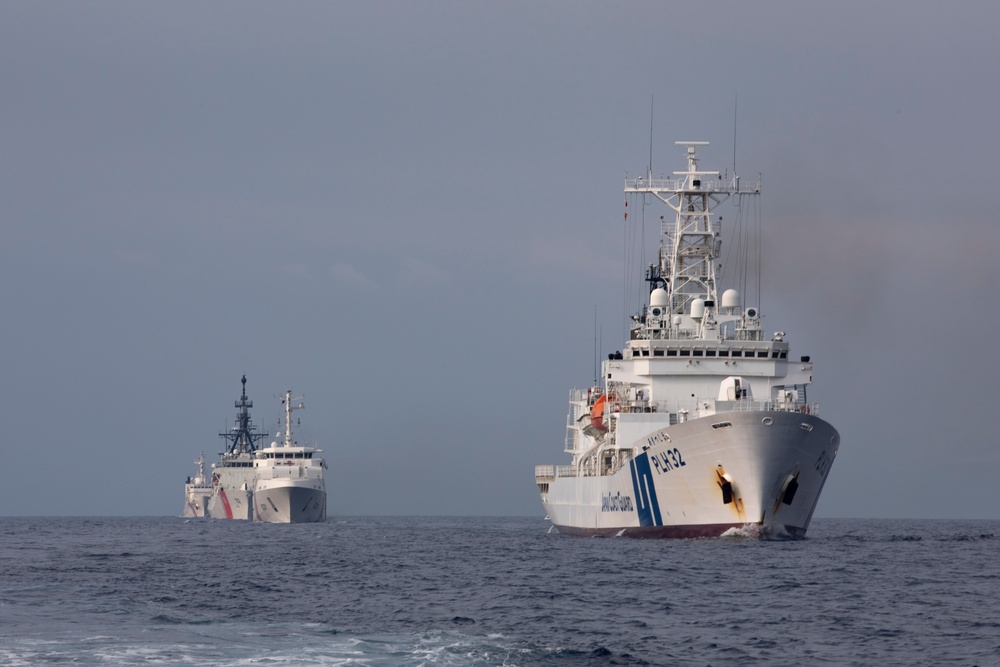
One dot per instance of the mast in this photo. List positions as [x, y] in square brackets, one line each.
[244, 436]
[288, 415]
[691, 242]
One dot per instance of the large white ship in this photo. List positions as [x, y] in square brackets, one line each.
[701, 423]
[288, 483]
[233, 476]
[197, 491]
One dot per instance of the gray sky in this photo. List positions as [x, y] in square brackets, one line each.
[409, 212]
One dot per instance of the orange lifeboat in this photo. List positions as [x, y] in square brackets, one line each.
[597, 412]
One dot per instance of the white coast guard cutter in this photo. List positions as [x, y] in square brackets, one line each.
[233, 476]
[701, 423]
[289, 486]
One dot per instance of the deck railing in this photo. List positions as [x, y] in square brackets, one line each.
[545, 472]
[643, 184]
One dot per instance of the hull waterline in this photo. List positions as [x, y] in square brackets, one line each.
[290, 503]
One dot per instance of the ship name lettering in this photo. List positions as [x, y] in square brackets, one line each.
[616, 502]
[656, 439]
[823, 463]
[667, 460]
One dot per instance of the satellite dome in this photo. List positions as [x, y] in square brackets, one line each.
[697, 309]
[659, 297]
[730, 299]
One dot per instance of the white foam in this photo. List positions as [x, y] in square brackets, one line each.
[756, 531]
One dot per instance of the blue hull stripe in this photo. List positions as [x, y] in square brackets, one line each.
[645, 492]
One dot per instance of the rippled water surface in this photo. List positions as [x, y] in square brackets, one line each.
[492, 591]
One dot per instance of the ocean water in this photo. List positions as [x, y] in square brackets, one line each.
[492, 591]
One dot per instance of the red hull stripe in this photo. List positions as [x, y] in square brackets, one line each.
[225, 505]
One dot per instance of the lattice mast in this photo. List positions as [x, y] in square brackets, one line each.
[691, 243]
[244, 437]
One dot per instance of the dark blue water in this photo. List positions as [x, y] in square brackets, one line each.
[475, 591]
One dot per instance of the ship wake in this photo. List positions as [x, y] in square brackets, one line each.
[757, 531]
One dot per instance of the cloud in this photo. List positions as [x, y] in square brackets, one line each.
[574, 255]
[420, 275]
[347, 275]
[130, 257]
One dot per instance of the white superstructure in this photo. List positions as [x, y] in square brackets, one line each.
[289, 486]
[701, 423]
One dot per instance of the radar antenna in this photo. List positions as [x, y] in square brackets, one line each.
[244, 437]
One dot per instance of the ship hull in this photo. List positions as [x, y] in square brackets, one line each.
[196, 500]
[773, 463]
[290, 501]
[231, 504]
[192, 512]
